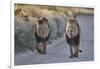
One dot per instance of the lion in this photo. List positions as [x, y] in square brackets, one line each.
[73, 36]
[42, 34]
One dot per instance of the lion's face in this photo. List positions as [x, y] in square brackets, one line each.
[72, 28]
[42, 27]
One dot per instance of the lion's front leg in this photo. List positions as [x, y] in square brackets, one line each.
[71, 51]
[43, 51]
[76, 48]
[41, 47]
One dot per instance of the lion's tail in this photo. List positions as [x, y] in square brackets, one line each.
[80, 50]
